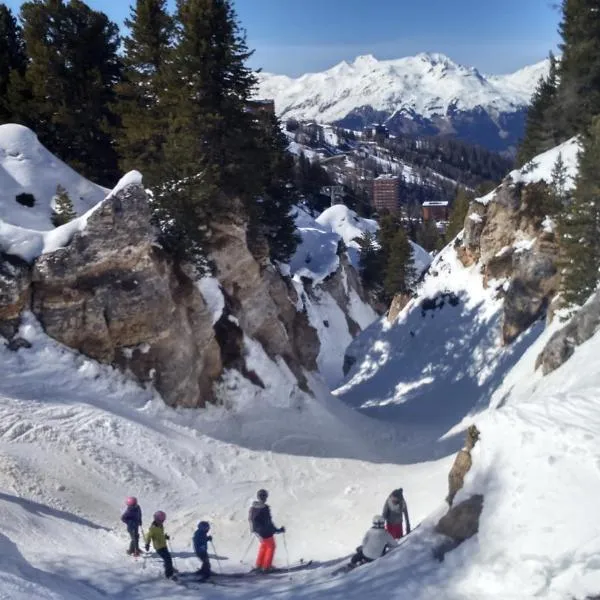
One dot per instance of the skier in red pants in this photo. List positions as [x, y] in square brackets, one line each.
[393, 511]
[261, 524]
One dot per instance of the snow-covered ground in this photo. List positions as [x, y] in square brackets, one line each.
[76, 438]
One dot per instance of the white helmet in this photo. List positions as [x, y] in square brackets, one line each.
[378, 521]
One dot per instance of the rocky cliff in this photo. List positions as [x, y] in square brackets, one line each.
[113, 294]
[515, 245]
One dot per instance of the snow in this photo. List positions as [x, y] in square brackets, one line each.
[426, 85]
[213, 296]
[540, 168]
[77, 437]
[27, 167]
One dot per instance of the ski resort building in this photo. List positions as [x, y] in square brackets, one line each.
[436, 210]
[386, 193]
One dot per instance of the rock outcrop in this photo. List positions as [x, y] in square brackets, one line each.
[462, 464]
[515, 247]
[115, 296]
[462, 521]
[459, 524]
[15, 280]
[562, 344]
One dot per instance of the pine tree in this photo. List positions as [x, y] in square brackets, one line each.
[63, 207]
[72, 69]
[141, 138]
[270, 214]
[540, 127]
[12, 58]
[580, 224]
[399, 273]
[428, 236]
[370, 263]
[458, 213]
[212, 159]
[559, 181]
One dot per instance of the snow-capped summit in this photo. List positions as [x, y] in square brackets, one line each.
[425, 88]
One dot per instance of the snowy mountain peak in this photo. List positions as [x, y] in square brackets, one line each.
[428, 86]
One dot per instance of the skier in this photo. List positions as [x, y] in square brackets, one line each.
[376, 543]
[393, 509]
[262, 525]
[132, 517]
[201, 539]
[156, 534]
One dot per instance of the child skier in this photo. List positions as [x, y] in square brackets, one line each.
[156, 534]
[393, 510]
[261, 524]
[201, 539]
[375, 544]
[132, 517]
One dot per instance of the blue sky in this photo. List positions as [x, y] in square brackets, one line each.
[298, 36]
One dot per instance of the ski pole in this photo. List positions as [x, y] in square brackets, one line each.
[216, 556]
[287, 555]
[247, 549]
[171, 553]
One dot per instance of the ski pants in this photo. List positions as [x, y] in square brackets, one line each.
[167, 560]
[134, 544]
[359, 558]
[395, 530]
[266, 551]
[205, 568]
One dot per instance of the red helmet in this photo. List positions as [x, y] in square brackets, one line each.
[131, 501]
[160, 516]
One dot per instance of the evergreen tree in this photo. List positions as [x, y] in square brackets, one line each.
[370, 263]
[212, 158]
[270, 214]
[12, 58]
[579, 72]
[428, 236]
[399, 273]
[141, 138]
[458, 213]
[540, 127]
[580, 224]
[559, 181]
[63, 207]
[69, 83]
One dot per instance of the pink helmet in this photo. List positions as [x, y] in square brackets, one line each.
[159, 516]
[131, 501]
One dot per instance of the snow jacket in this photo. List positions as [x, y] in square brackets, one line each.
[201, 541]
[376, 541]
[392, 512]
[132, 517]
[156, 535]
[260, 519]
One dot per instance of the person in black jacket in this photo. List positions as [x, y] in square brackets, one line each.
[262, 525]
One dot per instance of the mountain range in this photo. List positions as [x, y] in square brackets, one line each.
[426, 94]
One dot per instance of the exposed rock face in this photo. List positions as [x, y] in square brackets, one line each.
[113, 295]
[459, 524]
[511, 245]
[263, 302]
[15, 279]
[562, 344]
[398, 303]
[462, 464]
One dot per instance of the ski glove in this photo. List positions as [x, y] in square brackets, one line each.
[281, 530]
[209, 538]
[167, 537]
[147, 546]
